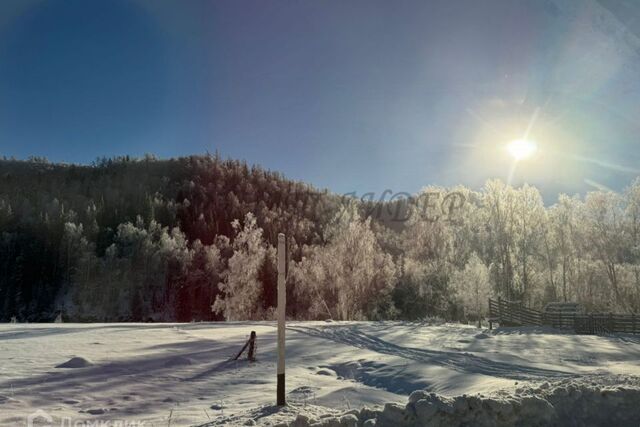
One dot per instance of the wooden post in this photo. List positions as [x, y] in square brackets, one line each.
[282, 301]
[611, 323]
[560, 321]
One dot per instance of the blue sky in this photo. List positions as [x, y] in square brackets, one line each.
[349, 95]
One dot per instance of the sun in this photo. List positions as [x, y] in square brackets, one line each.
[521, 149]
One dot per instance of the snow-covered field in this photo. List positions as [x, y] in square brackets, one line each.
[180, 374]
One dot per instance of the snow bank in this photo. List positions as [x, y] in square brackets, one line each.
[585, 401]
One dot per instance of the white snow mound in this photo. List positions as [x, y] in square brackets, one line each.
[75, 362]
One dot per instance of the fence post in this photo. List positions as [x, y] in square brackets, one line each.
[282, 301]
[560, 322]
[490, 315]
[611, 324]
[500, 310]
[633, 323]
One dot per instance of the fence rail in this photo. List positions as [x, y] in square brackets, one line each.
[514, 313]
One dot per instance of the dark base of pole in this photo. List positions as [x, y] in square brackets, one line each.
[280, 396]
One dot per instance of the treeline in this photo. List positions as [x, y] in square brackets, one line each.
[194, 239]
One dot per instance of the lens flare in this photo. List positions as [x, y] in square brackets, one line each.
[521, 149]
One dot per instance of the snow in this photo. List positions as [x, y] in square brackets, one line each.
[182, 373]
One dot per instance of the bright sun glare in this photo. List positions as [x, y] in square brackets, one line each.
[521, 149]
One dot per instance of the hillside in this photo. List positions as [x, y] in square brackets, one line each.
[63, 225]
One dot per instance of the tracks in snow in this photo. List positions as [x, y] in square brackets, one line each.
[458, 361]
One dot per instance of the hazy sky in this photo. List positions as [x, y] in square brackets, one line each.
[349, 95]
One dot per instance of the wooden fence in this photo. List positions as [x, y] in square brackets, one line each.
[513, 313]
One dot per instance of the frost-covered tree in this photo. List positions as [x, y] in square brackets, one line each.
[561, 241]
[528, 237]
[604, 236]
[427, 245]
[241, 287]
[349, 277]
[473, 288]
[632, 246]
[499, 216]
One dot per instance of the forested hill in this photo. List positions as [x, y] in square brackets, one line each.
[200, 194]
[88, 239]
[194, 239]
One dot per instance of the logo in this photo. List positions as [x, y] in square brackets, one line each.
[39, 419]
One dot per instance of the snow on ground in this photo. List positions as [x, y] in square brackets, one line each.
[180, 374]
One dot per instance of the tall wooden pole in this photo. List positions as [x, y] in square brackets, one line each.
[282, 302]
